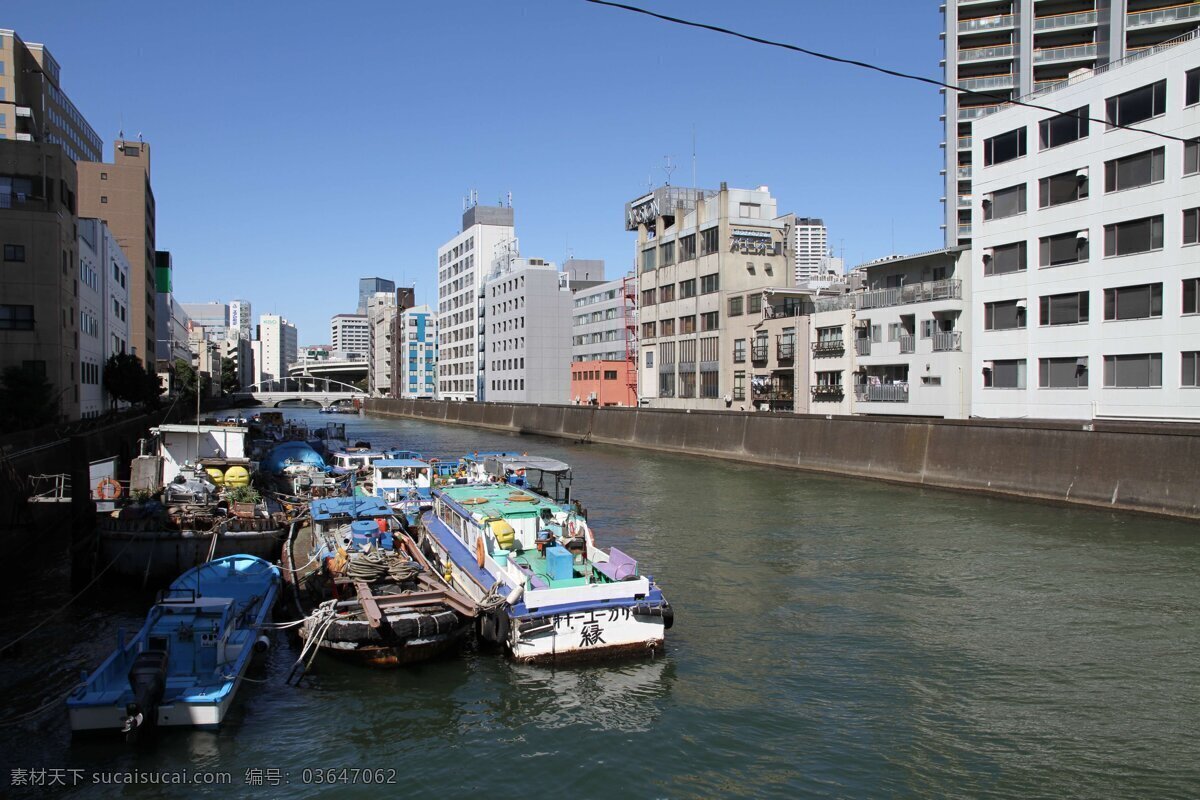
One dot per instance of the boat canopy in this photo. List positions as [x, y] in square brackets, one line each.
[498, 465]
[401, 463]
[356, 507]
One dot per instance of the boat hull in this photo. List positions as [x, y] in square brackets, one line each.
[157, 556]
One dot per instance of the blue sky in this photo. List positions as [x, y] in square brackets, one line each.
[301, 145]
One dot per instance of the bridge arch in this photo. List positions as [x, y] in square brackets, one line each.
[302, 384]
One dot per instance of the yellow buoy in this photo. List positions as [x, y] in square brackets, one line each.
[504, 533]
[217, 476]
[237, 476]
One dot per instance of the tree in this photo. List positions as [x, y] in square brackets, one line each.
[185, 382]
[27, 399]
[229, 377]
[127, 380]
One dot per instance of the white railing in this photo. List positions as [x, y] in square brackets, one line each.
[924, 292]
[964, 173]
[908, 344]
[975, 112]
[1065, 21]
[1006, 81]
[862, 346]
[1072, 53]
[964, 201]
[947, 341]
[964, 231]
[986, 23]
[890, 393]
[964, 142]
[1156, 16]
[985, 53]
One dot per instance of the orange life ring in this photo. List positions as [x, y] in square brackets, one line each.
[108, 489]
[479, 551]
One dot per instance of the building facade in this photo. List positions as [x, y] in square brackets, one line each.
[1086, 258]
[463, 262]
[527, 340]
[703, 256]
[103, 311]
[381, 323]
[1023, 48]
[212, 317]
[369, 287]
[240, 323]
[811, 246]
[414, 354]
[604, 343]
[278, 348]
[350, 335]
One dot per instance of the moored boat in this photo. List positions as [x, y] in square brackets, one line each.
[185, 665]
[546, 591]
[363, 588]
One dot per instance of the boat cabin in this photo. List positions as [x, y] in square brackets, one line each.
[395, 479]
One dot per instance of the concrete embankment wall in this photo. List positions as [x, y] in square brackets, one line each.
[1142, 467]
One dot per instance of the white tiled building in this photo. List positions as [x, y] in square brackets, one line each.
[527, 333]
[1086, 247]
[103, 311]
[350, 334]
[276, 349]
[414, 354]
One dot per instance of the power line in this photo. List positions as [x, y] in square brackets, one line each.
[1000, 99]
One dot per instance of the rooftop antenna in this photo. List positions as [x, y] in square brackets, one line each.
[510, 199]
[668, 168]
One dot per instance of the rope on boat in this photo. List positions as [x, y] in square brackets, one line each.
[494, 600]
[323, 618]
[377, 564]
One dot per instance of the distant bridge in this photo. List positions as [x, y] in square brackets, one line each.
[346, 370]
[308, 390]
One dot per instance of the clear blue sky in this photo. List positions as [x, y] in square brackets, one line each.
[300, 145]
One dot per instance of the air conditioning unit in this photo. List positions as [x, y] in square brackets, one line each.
[1022, 303]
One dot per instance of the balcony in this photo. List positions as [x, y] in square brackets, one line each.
[964, 231]
[964, 173]
[891, 393]
[947, 341]
[827, 392]
[829, 347]
[1163, 16]
[997, 23]
[989, 82]
[975, 112]
[759, 352]
[1076, 52]
[1063, 21]
[964, 201]
[925, 292]
[908, 343]
[862, 346]
[785, 350]
[964, 142]
[970, 55]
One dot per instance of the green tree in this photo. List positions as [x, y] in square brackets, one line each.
[127, 380]
[229, 377]
[27, 399]
[185, 382]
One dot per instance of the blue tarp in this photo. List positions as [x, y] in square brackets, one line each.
[277, 459]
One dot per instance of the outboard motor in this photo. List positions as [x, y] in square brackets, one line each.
[148, 679]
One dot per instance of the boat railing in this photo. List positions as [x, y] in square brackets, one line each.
[50, 488]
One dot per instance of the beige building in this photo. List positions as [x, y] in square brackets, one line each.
[39, 310]
[119, 194]
[704, 258]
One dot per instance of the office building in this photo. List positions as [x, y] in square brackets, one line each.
[368, 287]
[604, 343]
[487, 236]
[414, 354]
[120, 194]
[526, 342]
[39, 319]
[811, 246]
[381, 326]
[103, 311]
[33, 106]
[277, 338]
[240, 351]
[213, 318]
[350, 335]
[1024, 48]
[240, 322]
[1086, 253]
[703, 258]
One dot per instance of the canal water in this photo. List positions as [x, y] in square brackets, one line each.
[833, 637]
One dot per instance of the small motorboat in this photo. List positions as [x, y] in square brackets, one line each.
[184, 667]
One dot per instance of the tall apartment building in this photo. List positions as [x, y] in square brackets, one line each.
[368, 288]
[277, 346]
[487, 236]
[702, 256]
[811, 246]
[350, 334]
[414, 354]
[240, 323]
[33, 106]
[1086, 256]
[39, 319]
[526, 343]
[241, 352]
[1022, 48]
[381, 325]
[103, 311]
[120, 194]
[604, 343]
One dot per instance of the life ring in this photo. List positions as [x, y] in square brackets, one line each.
[108, 489]
[479, 551]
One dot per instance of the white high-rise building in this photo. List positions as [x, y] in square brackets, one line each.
[414, 354]
[487, 232]
[810, 243]
[103, 311]
[1086, 245]
[350, 335]
[381, 323]
[240, 321]
[277, 351]
[527, 336]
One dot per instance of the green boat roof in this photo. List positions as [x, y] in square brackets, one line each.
[499, 500]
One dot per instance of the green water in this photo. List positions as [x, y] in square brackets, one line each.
[833, 638]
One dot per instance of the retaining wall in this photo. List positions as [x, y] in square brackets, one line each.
[1142, 467]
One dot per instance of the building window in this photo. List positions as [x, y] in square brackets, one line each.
[1005, 147]
[1064, 309]
[687, 384]
[739, 351]
[647, 330]
[1005, 259]
[739, 384]
[1136, 371]
[1191, 157]
[735, 306]
[1191, 294]
[687, 288]
[103, 198]
[708, 283]
[687, 247]
[1005, 203]
[1134, 236]
[1065, 187]
[1004, 315]
[666, 254]
[648, 260]
[687, 324]
[710, 385]
[1191, 90]
[610, 374]
[710, 321]
[709, 241]
[647, 297]
[1133, 302]
[666, 293]
[16, 318]
[1063, 129]
[14, 252]
[103, 176]
[1009, 374]
[1063, 248]
[754, 303]
[1062, 373]
[1191, 226]
[1130, 172]
[1190, 369]
[666, 327]
[1137, 105]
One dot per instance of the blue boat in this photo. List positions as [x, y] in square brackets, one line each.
[184, 667]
